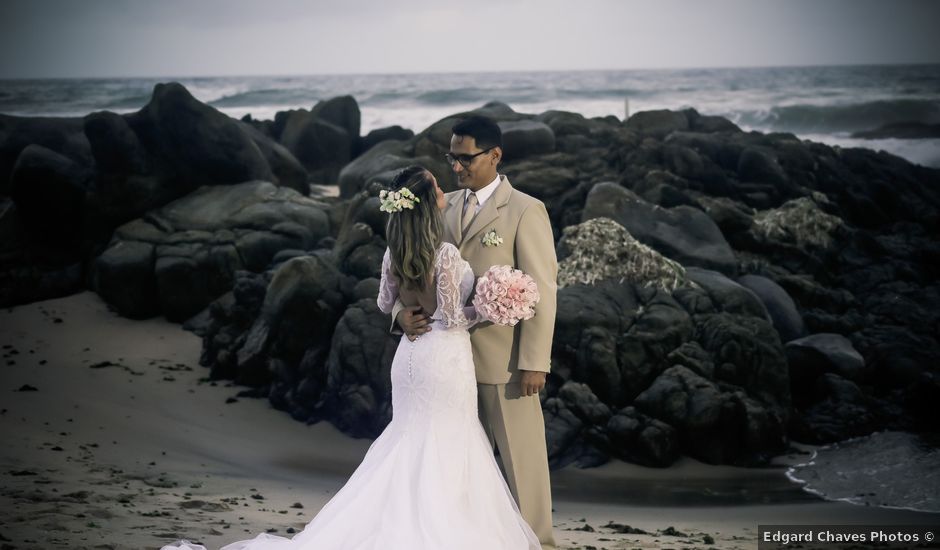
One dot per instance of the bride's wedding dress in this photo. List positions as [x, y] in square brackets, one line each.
[430, 480]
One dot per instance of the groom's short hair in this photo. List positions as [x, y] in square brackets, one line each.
[484, 131]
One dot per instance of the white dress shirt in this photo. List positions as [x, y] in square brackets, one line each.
[482, 194]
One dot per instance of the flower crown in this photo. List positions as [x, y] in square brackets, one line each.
[396, 201]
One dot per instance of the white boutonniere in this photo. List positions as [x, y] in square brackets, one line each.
[491, 238]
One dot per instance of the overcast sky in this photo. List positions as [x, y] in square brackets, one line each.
[102, 38]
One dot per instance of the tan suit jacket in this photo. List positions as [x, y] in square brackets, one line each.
[499, 352]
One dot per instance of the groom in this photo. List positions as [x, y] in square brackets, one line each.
[493, 224]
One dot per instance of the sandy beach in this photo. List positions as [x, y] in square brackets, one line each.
[115, 439]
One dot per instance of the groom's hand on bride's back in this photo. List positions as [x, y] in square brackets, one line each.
[414, 321]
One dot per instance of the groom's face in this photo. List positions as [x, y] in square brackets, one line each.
[478, 170]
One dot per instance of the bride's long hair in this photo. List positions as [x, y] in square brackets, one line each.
[414, 235]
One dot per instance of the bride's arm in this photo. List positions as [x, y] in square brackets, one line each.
[472, 315]
[387, 299]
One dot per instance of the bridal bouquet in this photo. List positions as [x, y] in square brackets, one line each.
[506, 296]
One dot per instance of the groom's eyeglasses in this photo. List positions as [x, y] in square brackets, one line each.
[464, 160]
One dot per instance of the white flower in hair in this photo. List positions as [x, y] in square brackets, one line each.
[396, 201]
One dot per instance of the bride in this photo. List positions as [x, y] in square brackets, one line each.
[430, 480]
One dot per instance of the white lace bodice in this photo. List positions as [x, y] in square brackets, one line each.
[454, 281]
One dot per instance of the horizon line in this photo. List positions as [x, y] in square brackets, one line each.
[443, 73]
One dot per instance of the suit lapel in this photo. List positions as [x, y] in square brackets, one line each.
[452, 215]
[490, 211]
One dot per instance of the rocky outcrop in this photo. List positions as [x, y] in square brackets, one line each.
[380, 163]
[172, 146]
[523, 138]
[323, 139]
[781, 307]
[379, 135]
[684, 234]
[73, 181]
[184, 255]
[601, 249]
[721, 292]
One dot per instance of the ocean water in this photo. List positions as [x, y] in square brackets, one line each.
[824, 104]
[885, 469]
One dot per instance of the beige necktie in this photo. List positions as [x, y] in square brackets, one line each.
[469, 210]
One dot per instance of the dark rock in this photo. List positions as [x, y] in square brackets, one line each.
[365, 261]
[657, 124]
[583, 403]
[813, 355]
[841, 411]
[378, 164]
[124, 276]
[728, 295]
[524, 138]
[497, 110]
[200, 144]
[49, 191]
[709, 124]
[342, 111]
[730, 216]
[562, 428]
[321, 146]
[563, 123]
[638, 438]
[683, 161]
[664, 189]
[251, 355]
[62, 135]
[303, 302]
[713, 426]
[12, 233]
[759, 165]
[357, 394]
[748, 354]
[200, 241]
[660, 325]
[373, 138]
[115, 145]
[684, 234]
[588, 323]
[171, 147]
[543, 180]
[365, 289]
[694, 357]
[288, 171]
[783, 311]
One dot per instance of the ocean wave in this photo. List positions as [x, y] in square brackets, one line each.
[832, 119]
[925, 152]
[886, 469]
[477, 95]
[386, 97]
[603, 93]
[285, 97]
[130, 102]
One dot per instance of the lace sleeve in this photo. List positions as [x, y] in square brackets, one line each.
[454, 281]
[388, 285]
